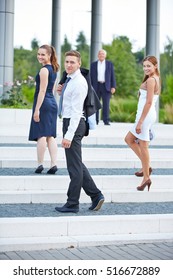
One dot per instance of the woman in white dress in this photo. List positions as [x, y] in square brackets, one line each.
[139, 136]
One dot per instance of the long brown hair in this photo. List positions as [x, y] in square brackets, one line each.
[154, 61]
[53, 57]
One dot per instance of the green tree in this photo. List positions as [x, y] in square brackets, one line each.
[25, 64]
[166, 63]
[139, 55]
[83, 48]
[166, 70]
[128, 73]
[81, 43]
[66, 46]
[168, 50]
[34, 44]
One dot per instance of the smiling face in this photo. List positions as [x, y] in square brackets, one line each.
[149, 68]
[43, 56]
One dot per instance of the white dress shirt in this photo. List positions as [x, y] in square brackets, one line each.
[101, 71]
[73, 101]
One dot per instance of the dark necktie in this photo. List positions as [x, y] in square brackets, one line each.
[62, 95]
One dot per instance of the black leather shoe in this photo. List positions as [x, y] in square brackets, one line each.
[97, 204]
[67, 209]
[39, 169]
[52, 170]
[107, 123]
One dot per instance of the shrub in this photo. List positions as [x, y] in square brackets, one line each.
[168, 114]
[123, 110]
[19, 95]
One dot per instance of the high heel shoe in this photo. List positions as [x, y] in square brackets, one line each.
[39, 169]
[142, 187]
[52, 170]
[141, 174]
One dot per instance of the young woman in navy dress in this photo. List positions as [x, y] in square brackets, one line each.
[45, 111]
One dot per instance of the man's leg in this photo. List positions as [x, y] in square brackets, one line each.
[91, 190]
[98, 112]
[74, 166]
[106, 106]
[75, 169]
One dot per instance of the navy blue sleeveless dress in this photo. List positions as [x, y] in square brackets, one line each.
[47, 125]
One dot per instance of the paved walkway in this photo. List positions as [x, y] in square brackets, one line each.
[138, 251]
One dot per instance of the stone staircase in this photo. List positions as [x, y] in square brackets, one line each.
[103, 148]
[116, 189]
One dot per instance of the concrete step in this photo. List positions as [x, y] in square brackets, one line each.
[78, 231]
[15, 128]
[62, 232]
[92, 163]
[41, 189]
[52, 183]
[61, 197]
[87, 153]
[101, 158]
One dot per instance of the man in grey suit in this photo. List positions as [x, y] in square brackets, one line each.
[103, 81]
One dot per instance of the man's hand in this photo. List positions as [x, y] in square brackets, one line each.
[66, 143]
[59, 89]
[113, 90]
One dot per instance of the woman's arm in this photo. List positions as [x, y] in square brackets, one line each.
[147, 106]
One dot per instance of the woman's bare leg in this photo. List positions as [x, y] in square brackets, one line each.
[141, 150]
[53, 150]
[130, 140]
[41, 148]
[145, 159]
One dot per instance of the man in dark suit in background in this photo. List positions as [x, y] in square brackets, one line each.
[104, 83]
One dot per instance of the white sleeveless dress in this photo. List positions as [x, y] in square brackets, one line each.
[150, 118]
